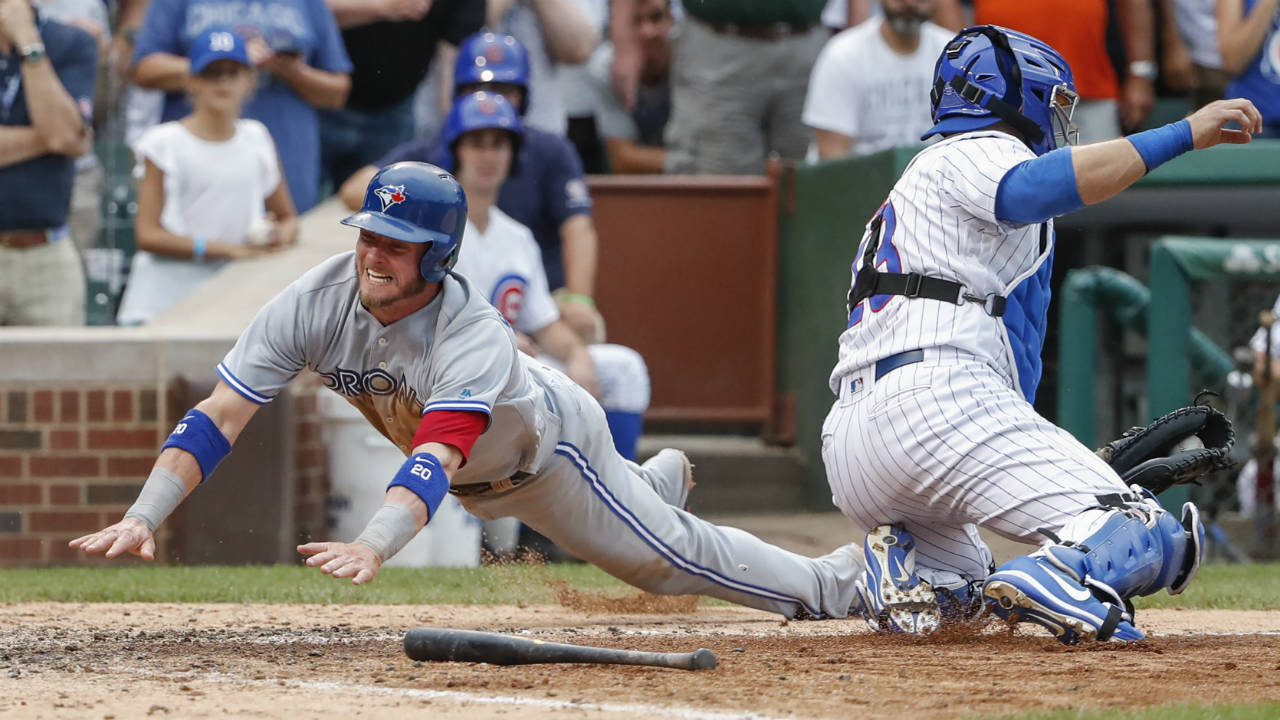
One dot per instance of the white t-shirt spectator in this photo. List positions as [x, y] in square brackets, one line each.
[863, 89]
[212, 189]
[504, 263]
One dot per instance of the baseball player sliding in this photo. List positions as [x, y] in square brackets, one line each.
[434, 367]
[933, 431]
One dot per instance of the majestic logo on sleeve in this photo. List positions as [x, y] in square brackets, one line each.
[390, 195]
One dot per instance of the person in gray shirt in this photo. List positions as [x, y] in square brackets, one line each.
[434, 367]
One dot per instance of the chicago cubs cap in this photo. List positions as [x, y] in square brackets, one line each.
[217, 44]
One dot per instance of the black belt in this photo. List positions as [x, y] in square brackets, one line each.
[884, 366]
[473, 489]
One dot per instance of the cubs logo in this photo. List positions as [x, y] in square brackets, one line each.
[494, 54]
[390, 195]
[486, 105]
[508, 297]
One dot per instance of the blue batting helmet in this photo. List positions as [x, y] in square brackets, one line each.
[419, 203]
[488, 57]
[988, 74]
[477, 111]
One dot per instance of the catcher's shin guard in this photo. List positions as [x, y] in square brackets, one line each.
[1131, 551]
[894, 596]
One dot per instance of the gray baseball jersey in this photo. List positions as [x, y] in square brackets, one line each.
[457, 353]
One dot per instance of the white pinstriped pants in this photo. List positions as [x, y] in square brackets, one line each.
[947, 444]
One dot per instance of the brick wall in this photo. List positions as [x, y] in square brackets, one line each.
[311, 463]
[72, 459]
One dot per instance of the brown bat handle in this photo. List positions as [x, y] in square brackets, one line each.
[448, 645]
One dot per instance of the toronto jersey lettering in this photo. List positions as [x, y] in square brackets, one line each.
[940, 221]
[457, 353]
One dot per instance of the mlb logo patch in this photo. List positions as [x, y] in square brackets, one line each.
[390, 195]
[855, 385]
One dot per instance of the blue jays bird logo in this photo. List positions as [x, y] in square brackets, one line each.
[390, 195]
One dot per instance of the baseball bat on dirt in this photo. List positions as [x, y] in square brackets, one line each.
[446, 645]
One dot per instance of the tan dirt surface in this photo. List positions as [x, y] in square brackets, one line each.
[122, 661]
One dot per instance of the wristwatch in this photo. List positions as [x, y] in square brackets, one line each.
[1144, 69]
[33, 53]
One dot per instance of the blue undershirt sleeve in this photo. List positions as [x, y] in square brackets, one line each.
[1037, 190]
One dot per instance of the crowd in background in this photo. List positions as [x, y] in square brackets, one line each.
[239, 115]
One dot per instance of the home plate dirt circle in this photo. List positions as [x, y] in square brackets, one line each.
[292, 661]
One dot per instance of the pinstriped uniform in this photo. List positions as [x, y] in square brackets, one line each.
[949, 442]
[546, 457]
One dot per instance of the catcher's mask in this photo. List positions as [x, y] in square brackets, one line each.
[988, 74]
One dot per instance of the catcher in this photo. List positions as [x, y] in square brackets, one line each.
[934, 431]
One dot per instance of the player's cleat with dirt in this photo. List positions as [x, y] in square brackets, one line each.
[896, 598]
[1030, 589]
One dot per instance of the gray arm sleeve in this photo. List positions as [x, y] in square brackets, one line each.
[160, 495]
[389, 530]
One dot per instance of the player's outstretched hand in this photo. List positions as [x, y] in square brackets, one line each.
[128, 535]
[343, 560]
[1208, 124]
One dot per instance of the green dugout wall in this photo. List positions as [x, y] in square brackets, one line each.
[823, 208]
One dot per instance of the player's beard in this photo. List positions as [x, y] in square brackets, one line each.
[374, 301]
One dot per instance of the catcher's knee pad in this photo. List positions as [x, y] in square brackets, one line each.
[1130, 551]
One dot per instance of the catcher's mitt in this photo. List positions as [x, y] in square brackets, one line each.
[1180, 447]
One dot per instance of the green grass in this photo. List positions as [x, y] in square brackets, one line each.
[505, 584]
[1225, 587]
[1239, 587]
[1259, 711]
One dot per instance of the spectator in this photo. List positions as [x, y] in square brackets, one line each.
[1078, 30]
[546, 192]
[206, 183]
[552, 32]
[740, 74]
[85, 219]
[1190, 62]
[501, 259]
[871, 81]
[1249, 35]
[577, 91]
[296, 45]
[47, 70]
[391, 45]
[633, 140]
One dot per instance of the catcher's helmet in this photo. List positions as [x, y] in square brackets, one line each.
[488, 57]
[419, 203]
[477, 111]
[988, 73]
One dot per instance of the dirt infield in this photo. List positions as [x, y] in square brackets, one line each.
[288, 661]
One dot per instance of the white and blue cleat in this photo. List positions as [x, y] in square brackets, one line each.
[1031, 589]
[895, 598]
